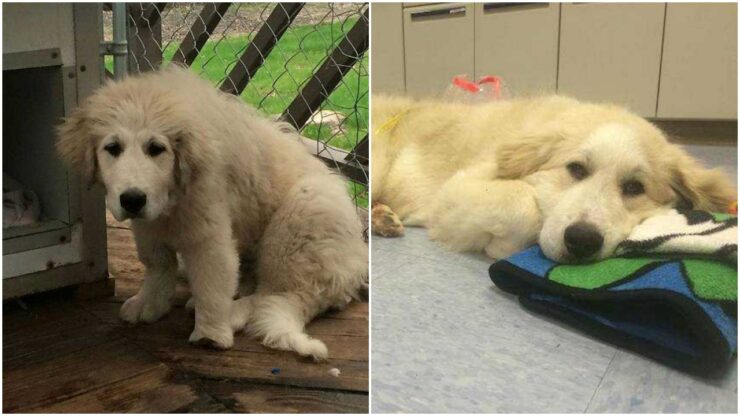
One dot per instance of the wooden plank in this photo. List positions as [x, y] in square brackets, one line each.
[338, 159]
[361, 151]
[144, 37]
[50, 327]
[21, 351]
[355, 310]
[248, 359]
[340, 347]
[40, 315]
[342, 327]
[81, 369]
[200, 32]
[152, 391]
[260, 47]
[95, 289]
[154, 11]
[205, 405]
[349, 50]
[252, 398]
[352, 321]
[254, 367]
[346, 339]
[72, 374]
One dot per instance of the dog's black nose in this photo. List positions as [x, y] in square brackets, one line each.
[583, 240]
[133, 200]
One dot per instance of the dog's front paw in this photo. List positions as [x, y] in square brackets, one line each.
[139, 308]
[385, 222]
[221, 338]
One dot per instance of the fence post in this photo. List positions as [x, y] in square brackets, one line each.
[200, 32]
[120, 67]
[103, 52]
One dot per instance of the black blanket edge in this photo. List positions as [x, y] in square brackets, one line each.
[716, 355]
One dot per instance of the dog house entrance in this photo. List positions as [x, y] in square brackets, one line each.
[36, 200]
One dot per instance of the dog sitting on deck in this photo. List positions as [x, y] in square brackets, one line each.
[497, 177]
[206, 180]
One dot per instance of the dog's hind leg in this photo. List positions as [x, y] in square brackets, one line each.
[385, 222]
[279, 320]
[312, 257]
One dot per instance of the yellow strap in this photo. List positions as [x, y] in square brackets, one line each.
[391, 123]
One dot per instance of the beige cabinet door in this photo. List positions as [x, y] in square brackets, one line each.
[699, 71]
[518, 42]
[387, 48]
[417, 4]
[438, 44]
[611, 53]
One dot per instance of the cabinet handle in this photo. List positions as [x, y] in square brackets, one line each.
[454, 11]
[494, 7]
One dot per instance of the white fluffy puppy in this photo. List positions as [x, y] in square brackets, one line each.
[496, 177]
[205, 178]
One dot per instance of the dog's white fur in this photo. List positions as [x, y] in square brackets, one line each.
[229, 183]
[494, 176]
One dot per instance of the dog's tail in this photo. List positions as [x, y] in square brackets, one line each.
[279, 320]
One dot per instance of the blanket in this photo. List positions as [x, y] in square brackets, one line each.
[670, 292]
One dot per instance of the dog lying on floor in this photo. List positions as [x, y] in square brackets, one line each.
[205, 178]
[575, 177]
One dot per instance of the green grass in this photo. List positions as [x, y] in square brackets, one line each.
[291, 63]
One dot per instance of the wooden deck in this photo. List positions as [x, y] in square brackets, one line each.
[67, 355]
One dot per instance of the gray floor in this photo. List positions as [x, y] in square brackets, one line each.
[445, 339]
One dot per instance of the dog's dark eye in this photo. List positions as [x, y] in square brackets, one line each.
[577, 170]
[155, 149]
[114, 149]
[633, 188]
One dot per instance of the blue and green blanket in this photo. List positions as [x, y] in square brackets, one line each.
[670, 293]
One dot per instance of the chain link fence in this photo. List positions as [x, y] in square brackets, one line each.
[303, 63]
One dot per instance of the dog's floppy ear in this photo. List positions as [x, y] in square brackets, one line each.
[193, 154]
[76, 145]
[526, 155]
[700, 188]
